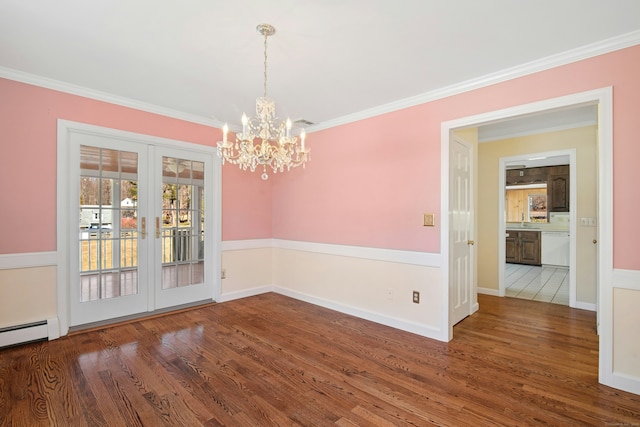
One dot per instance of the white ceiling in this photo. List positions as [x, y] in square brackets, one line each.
[328, 58]
[534, 162]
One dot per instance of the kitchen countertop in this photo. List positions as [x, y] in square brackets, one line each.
[536, 226]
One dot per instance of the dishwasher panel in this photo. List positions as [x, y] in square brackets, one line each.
[555, 248]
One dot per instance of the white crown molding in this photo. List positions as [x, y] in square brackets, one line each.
[47, 83]
[588, 51]
[585, 52]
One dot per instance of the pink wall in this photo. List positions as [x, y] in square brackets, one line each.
[363, 186]
[359, 190]
[246, 204]
[28, 121]
[368, 182]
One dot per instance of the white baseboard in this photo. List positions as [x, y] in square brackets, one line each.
[230, 296]
[489, 291]
[625, 382]
[390, 321]
[585, 306]
[475, 307]
[393, 322]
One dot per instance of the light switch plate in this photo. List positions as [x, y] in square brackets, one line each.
[429, 220]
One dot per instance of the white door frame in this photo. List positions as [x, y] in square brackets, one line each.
[603, 97]
[64, 205]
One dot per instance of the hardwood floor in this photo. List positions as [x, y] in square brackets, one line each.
[272, 360]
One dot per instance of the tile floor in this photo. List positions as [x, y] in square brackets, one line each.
[546, 284]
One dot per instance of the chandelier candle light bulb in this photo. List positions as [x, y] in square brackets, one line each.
[265, 140]
[245, 120]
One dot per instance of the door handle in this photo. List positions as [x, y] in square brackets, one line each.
[595, 241]
[157, 227]
[471, 242]
[143, 227]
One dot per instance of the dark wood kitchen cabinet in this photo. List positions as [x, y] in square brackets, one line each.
[526, 176]
[556, 178]
[523, 247]
[511, 246]
[558, 189]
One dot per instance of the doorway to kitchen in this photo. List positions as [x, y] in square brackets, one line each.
[537, 210]
[488, 245]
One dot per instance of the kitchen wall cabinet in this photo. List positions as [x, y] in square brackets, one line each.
[557, 180]
[558, 189]
[523, 247]
[526, 176]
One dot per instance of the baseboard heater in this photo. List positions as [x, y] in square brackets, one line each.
[29, 332]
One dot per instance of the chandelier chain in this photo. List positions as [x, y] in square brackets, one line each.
[265, 65]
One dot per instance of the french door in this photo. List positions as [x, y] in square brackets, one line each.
[142, 226]
[179, 227]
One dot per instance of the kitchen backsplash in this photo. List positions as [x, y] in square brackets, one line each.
[559, 218]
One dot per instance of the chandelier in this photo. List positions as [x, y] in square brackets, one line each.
[265, 140]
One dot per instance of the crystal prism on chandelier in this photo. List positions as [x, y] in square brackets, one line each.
[265, 140]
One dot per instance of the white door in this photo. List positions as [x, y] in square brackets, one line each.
[127, 259]
[461, 244]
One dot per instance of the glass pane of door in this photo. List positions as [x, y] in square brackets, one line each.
[182, 222]
[183, 263]
[108, 223]
[110, 255]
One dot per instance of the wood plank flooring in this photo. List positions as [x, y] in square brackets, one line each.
[272, 360]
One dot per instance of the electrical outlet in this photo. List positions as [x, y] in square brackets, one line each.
[390, 293]
[588, 222]
[416, 297]
[223, 274]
